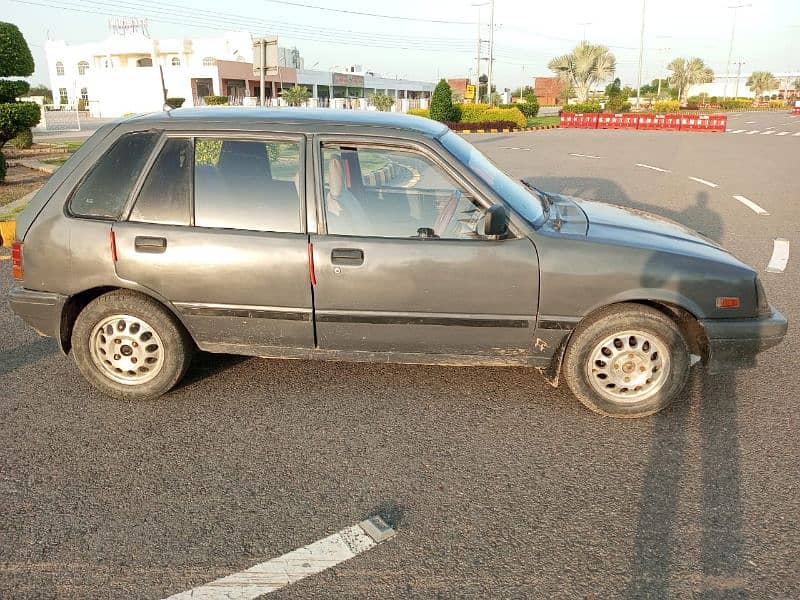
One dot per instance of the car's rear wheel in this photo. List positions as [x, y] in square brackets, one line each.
[628, 360]
[129, 347]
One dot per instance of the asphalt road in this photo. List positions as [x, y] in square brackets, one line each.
[498, 485]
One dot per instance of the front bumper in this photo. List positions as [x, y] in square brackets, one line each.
[734, 343]
[40, 310]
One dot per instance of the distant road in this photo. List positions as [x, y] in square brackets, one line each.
[88, 127]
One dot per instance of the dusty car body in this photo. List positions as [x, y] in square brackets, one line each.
[383, 238]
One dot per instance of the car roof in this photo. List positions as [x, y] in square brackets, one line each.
[299, 116]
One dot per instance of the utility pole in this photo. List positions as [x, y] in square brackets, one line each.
[738, 75]
[735, 8]
[491, 53]
[480, 43]
[262, 49]
[641, 56]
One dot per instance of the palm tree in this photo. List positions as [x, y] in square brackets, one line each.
[760, 82]
[686, 73]
[586, 66]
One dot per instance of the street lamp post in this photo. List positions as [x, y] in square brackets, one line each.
[478, 5]
[735, 8]
[641, 55]
[491, 53]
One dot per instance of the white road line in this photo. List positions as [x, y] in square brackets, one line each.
[279, 572]
[749, 122]
[796, 134]
[704, 182]
[767, 132]
[752, 132]
[784, 133]
[652, 167]
[736, 131]
[751, 205]
[780, 256]
[584, 155]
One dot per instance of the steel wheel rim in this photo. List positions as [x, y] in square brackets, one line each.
[629, 366]
[126, 349]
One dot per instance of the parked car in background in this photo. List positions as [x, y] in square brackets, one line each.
[349, 235]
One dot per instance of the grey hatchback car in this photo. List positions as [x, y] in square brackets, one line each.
[365, 236]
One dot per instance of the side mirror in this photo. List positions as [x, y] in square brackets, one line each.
[496, 220]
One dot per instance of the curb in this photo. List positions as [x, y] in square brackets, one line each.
[512, 130]
[34, 164]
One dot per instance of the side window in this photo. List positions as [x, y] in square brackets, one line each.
[104, 191]
[247, 184]
[383, 192]
[166, 195]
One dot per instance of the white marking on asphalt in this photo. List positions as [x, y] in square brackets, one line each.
[796, 134]
[279, 572]
[767, 132]
[784, 133]
[704, 182]
[652, 167]
[584, 155]
[736, 131]
[751, 205]
[752, 132]
[780, 256]
[749, 122]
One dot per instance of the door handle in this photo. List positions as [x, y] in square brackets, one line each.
[144, 243]
[347, 256]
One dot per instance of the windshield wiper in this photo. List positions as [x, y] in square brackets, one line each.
[544, 198]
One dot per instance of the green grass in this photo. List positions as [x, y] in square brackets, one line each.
[543, 121]
[55, 161]
[10, 214]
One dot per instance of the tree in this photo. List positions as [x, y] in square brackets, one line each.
[442, 103]
[15, 61]
[586, 66]
[297, 95]
[381, 101]
[796, 84]
[760, 82]
[686, 73]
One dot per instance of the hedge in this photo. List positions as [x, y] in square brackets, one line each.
[23, 140]
[529, 109]
[461, 125]
[471, 113]
[442, 103]
[15, 56]
[420, 112]
[15, 117]
[175, 102]
[735, 103]
[667, 106]
[584, 107]
[11, 89]
[215, 100]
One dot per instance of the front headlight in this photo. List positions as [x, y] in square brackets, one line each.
[761, 298]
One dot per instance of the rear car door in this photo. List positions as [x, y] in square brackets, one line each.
[404, 265]
[217, 228]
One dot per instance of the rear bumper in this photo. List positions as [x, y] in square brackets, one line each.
[40, 310]
[734, 343]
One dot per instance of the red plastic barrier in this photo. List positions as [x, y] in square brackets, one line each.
[646, 122]
[718, 123]
[567, 120]
[703, 123]
[630, 121]
[585, 120]
[689, 122]
[609, 121]
[796, 110]
[671, 122]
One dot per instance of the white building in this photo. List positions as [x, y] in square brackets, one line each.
[130, 73]
[736, 85]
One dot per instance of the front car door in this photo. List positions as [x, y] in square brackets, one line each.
[218, 229]
[403, 265]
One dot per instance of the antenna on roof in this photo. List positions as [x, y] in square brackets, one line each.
[167, 109]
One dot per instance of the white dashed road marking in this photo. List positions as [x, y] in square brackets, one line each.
[749, 122]
[736, 131]
[767, 132]
[584, 155]
[751, 205]
[704, 182]
[653, 168]
[752, 132]
[780, 256]
[796, 134]
[279, 572]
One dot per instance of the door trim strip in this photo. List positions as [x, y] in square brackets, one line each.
[243, 311]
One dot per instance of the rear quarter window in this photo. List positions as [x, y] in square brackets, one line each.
[103, 192]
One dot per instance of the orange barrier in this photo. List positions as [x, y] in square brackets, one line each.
[645, 121]
[630, 121]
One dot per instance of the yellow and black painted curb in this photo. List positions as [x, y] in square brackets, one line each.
[507, 130]
[381, 176]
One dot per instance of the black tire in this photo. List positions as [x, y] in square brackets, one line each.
[616, 319]
[178, 347]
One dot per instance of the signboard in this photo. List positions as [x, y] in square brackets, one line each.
[270, 55]
[470, 93]
[348, 79]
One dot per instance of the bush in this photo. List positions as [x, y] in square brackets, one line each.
[777, 104]
[15, 117]
[667, 106]
[471, 113]
[735, 103]
[175, 102]
[461, 125]
[215, 100]
[15, 56]
[506, 114]
[442, 103]
[529, 109]
[420, 112]
[10, 90]
[582, 107]
[617, 104]
[81, 104]
[23, 140]
[381, 101]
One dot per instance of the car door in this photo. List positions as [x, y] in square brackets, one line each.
[404, 266]
[217, 228]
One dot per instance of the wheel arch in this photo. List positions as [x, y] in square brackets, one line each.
[77, 302]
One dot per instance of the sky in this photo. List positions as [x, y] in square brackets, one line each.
[426, 40]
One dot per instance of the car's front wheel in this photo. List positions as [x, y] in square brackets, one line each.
[628, 360]
[129, 347]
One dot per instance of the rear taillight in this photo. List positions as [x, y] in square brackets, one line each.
[16, 260]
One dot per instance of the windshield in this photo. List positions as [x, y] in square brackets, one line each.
[524, 201]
